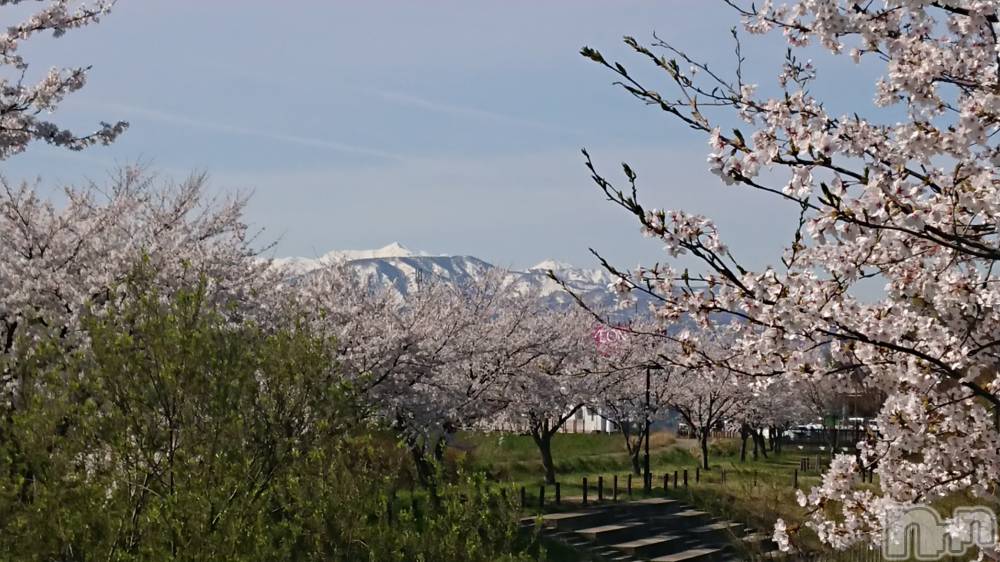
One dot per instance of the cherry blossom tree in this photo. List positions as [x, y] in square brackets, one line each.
[546, 392]
[910, 202]
[624, 400]
[24, 99]
[58, 260]
[773, 410]
[707, 399]
[430, 361]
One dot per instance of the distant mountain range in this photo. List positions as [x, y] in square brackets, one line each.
[401, 268]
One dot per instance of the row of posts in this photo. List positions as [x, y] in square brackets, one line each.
[680, 479]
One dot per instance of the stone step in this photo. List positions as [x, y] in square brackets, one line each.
[689, 519]
[612, 554]
[692, 555]
[721, 530]
[576, 519]
[648, 506]
[682, 520]
[615, 532]
[650, 546]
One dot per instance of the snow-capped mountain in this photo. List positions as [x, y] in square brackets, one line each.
[401, 268]
[298, 265]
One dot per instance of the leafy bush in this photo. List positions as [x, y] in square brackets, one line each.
[181, 433]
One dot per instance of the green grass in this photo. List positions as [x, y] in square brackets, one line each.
[755, 492]
[515, 458]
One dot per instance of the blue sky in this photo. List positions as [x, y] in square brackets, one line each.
[449, 126]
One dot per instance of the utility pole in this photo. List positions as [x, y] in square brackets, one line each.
[648, 477]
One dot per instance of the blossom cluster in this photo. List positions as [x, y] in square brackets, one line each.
[23, 104]
[910, 203]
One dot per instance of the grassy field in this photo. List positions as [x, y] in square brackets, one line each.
[515, 458]
[755, 492]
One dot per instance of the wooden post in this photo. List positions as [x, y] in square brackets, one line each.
[558, 494]
[541, 497]
[614, 488]
[524, 497]
[685, 478]
[584, 490]
[697, 474]
[666, 480]
[675, 479]
[795, 480]
[629, 485]
[600, 488]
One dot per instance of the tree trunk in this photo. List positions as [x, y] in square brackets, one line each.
[634, 449]
[424, 467]
[861, 465]
[636, 467]
[704, 448]
[744, 435]
[756, 444]
[544, 441]
[763, 443]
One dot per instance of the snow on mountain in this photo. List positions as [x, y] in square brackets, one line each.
[394, 250]
[550, 264]
[403, 269]
[300, 265]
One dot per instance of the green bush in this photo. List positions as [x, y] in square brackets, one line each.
[182, 433]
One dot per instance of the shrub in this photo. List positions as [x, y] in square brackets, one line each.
[180, 432]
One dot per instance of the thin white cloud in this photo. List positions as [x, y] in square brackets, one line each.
[277, 136]
[469, 112]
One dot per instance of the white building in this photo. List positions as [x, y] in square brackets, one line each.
[588, 420]
[584, 420]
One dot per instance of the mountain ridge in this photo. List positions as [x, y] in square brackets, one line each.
[397, 266]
